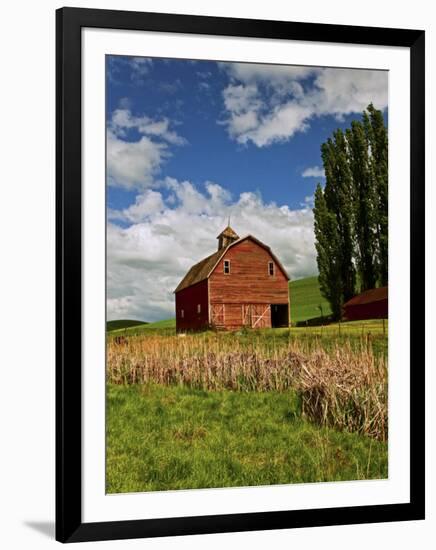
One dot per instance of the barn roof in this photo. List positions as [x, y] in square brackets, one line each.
[201, 270]
[368, 297]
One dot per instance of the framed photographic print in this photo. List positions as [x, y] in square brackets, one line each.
[240, 267]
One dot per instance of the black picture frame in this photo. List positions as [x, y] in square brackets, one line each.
[69, 525]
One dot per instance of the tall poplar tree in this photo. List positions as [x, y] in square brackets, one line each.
[377, 138]
[338, 197]
[327, 243]
[363, 199]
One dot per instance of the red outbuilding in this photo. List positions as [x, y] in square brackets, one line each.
[371, 304]
[243, 284]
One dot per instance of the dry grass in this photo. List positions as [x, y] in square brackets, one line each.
[346, 390]
[342, 387]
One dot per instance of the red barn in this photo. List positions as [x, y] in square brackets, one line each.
[371, 304]
[243, 284]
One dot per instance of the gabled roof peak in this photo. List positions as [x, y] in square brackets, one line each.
[203, 269]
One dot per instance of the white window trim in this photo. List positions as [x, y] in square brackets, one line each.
[226, 263]
[273, 269]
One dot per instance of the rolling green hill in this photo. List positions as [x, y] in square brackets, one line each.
[306, 299]
[140, 327]
[123, 323]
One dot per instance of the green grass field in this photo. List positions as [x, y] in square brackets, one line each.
[165, 438]
[306, 300]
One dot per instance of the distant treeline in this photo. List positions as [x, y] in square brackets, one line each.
[351, 212]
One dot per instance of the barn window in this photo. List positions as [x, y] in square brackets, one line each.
[271, 268]
[227, 266]
[199, 308]
[182, 313]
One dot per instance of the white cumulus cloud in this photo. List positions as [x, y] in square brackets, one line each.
[273, 74]
[265, 104]
[313, 172]
[134, 164]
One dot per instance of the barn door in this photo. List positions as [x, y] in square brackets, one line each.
[256, 315]
[246, 315]
[217, 314]
[261, 316]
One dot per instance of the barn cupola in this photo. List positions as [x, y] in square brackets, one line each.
[226, 237]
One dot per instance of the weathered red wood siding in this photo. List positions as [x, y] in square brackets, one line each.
[248, 283]
[188, 300]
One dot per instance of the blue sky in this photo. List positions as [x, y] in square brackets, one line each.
[192, 142]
